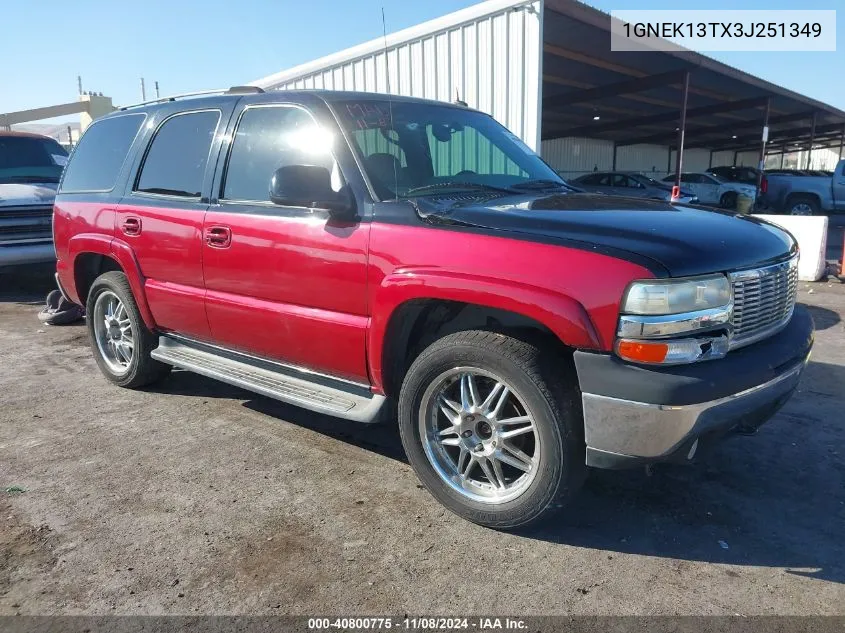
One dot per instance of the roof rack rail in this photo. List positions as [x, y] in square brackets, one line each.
[234, 90]
[245, 90]
[174, 97]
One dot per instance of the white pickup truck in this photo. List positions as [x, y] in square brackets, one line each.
[30, 168]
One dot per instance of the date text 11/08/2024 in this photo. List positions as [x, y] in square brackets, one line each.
[420, 623]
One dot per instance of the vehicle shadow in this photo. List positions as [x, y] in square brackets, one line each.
[822, 317]
[26, 284]
[774, 500]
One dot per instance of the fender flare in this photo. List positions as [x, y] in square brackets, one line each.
[563, 315]
[122, 253]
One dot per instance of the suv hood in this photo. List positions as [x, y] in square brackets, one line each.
[14, 194]
[681, 240]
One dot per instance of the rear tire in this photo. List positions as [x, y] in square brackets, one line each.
[535, 434]
[802, 205]
[120, 340]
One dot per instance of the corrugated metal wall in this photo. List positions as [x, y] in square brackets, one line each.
[722, 159]
[820, 159]
[695, 160]
[492, 60]
[645, 158]
[572, 156]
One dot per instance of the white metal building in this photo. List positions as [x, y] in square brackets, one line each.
[544, 69]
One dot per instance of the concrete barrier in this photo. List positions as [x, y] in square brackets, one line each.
[811, 233]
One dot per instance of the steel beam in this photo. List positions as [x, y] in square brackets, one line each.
[812, 138]
[761, 164]
[731, 106]
[630, 86]
[679, 153]
[717, 130]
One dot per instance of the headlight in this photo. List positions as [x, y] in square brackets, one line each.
[674, 296]
[673, 321]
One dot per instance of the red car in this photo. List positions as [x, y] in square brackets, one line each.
[374, 258]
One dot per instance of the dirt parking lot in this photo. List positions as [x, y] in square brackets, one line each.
[195, 497]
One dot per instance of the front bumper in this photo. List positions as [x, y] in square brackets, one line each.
[635, 414]
[27, 254]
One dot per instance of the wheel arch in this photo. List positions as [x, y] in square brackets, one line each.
[93, 255]
[411, 312]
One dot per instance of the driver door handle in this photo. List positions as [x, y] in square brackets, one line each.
[218, 236]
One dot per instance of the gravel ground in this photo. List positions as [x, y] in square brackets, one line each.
[195, 497]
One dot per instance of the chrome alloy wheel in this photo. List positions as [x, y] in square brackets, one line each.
[802, 208]
[479, 436]
[114, 332]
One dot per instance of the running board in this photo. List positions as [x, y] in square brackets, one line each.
[298, 387]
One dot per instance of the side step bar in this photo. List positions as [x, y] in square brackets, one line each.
[298, 387]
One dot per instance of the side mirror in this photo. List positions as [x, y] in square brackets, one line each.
[310, 186]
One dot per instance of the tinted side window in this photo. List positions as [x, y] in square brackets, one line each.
[268, 138]
[100, 154]
[594, 179]
[175, 163]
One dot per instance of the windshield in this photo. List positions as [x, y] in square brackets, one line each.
[31, 159]
[412, 149]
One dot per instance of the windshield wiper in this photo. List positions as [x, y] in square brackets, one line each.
[457, 185]
[541, 183]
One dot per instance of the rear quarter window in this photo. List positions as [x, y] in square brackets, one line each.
[100, 154]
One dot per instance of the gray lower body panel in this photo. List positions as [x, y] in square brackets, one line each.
[624, 432]
[294, 386]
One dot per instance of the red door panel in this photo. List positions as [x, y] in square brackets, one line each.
[290, 287]
[167, 241]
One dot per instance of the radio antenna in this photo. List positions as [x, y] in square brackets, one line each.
[390, 103]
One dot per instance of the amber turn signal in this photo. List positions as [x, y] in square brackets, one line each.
[643, 352]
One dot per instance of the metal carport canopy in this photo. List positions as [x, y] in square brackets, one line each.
[544, 69]
[638, 96]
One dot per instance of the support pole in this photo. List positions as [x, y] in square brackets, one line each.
[782, 155]
[764, 136]
[158, 96]
[812, 140]
[841, 141]
[143, 90]
[679, 157]
[614, 156]
[710, 161]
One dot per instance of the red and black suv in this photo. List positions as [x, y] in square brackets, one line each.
[346, 252]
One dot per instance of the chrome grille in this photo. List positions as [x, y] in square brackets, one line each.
[763, 301]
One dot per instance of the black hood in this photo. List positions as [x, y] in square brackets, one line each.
[682, 240]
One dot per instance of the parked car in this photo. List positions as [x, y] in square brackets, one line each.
[635, 185]
[343, 252]
[746, 175]
[30, 167]
[806, 194]
[713, 190]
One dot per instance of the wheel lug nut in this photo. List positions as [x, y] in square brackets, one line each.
[479, 447]
[466, 434]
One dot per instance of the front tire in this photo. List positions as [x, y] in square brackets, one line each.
[728, 200]
[492, 427]
[119, 338]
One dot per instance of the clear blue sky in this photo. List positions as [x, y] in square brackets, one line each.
[194, 45]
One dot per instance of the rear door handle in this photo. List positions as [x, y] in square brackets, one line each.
[131, 226]
[218, 236]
